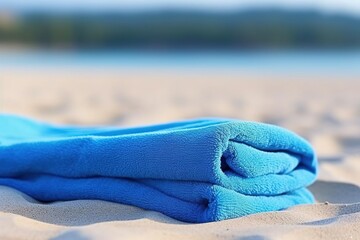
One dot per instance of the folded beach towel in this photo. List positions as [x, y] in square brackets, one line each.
[195, 171]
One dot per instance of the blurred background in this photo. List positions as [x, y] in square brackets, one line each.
[291, 63]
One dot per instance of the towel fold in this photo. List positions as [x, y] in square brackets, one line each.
[195, 171]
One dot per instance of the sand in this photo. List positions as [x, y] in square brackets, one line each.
[324, 109]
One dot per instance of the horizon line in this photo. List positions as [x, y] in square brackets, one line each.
[143, 10]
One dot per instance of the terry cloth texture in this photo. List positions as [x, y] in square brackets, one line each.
[195, 171]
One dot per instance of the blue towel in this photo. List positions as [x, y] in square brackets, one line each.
[195, 171]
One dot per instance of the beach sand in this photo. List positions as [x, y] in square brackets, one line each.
[323, 109]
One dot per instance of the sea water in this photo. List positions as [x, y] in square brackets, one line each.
[341, 62]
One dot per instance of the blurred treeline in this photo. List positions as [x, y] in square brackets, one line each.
[182, 29]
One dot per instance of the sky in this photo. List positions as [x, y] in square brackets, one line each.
[342, 6]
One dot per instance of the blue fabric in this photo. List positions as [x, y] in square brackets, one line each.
[195, 171]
